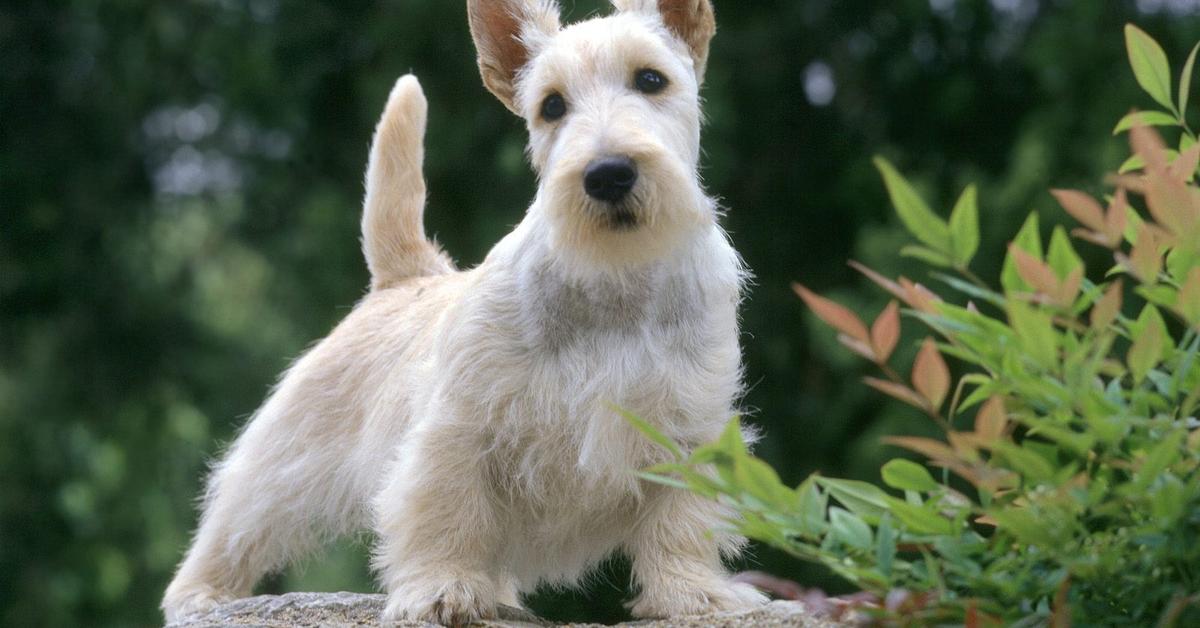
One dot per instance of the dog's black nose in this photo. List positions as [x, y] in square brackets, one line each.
[609, 179]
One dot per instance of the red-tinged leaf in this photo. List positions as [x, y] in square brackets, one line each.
[1149, 145]
[919, 297]
[1082, 207]
[1036, 273]
[1170, 203]
[898, 391]
[1114, 219]
[1068, 290]
[1095, 237]
[885, 331]
[858, 346]
[991, 420]
[1145, 258]
[1189, 298]
[986, 520]
[1135, 183]
[965, 444]
[883, 282]
[930, 375]
[934, 450]
[1105, 311]
[834, 315]
[1184, 166]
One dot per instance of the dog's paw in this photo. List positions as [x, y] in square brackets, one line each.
[697, 598]
[181, 602]
[447, 602]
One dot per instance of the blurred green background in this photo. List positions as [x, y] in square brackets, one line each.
[179, 203]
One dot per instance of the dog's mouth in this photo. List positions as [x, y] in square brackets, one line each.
[622, 215]
[619, 216]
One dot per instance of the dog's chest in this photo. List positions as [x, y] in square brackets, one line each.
[661, 349]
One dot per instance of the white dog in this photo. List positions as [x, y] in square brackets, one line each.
[469, 415]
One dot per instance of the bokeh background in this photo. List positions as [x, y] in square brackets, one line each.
[179, 202]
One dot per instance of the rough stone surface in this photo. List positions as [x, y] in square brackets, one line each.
[359, 609]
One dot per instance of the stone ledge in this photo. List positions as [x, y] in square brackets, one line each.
[360, 609]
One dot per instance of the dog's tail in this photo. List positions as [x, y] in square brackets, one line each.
[394, 241]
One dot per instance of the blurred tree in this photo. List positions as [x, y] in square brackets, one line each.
[179, 191]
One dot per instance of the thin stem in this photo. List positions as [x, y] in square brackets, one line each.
[972, 277]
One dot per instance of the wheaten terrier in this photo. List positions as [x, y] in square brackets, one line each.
[468, 416]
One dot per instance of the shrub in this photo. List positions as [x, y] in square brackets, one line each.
[1067, 487]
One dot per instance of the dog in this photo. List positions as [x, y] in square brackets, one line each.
[470, 416]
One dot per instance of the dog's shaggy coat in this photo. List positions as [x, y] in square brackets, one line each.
[468, 416]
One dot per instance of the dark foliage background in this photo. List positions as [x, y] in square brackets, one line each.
[179, 198]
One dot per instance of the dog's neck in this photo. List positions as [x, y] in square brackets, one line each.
[563, 298]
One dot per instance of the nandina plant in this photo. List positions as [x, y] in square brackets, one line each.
[1067, 485]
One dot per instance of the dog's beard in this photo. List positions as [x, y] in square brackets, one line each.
[623, 215]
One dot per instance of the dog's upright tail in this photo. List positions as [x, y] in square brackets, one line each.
[394, 239]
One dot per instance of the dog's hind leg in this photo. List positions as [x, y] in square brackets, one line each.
[282, 488]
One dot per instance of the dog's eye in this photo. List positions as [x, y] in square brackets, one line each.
[649, 81]
[554, 107]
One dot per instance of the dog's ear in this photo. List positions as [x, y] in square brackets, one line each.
[690, 20]
[507, 34]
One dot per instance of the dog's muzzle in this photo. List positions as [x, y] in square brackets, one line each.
[609, 179]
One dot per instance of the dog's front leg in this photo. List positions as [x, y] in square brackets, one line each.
[438, 529]
[677, 560]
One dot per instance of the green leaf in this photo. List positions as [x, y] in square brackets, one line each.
[1062, 256]
[919, 519]
[1185, 83]
[653, 434]
[964, 227]
[1035, 330]
[812, 504]
[1163, 455]
[1159, 294]
[1135, 162]
[1133, 223]
[1024, 461]
[885, 545]
[920, 221]
[1151, 316]
[1029, 240]
[1149, 64]
[927, 255]
[731, 440]
[688, 479]
[849, 529]
[1147, 347]
[1023, 524]
[665, 480]
[864, 498]
[1144, 118]
[907, 475]
[758, 478]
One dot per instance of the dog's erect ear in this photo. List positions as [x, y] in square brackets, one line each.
[690, 20]
[507, 34]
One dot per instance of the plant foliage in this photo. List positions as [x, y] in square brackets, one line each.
[1067, 485]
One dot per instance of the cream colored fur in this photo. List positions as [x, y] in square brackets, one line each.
[468, 416]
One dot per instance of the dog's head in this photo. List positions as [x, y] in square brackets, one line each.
[612, 106]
